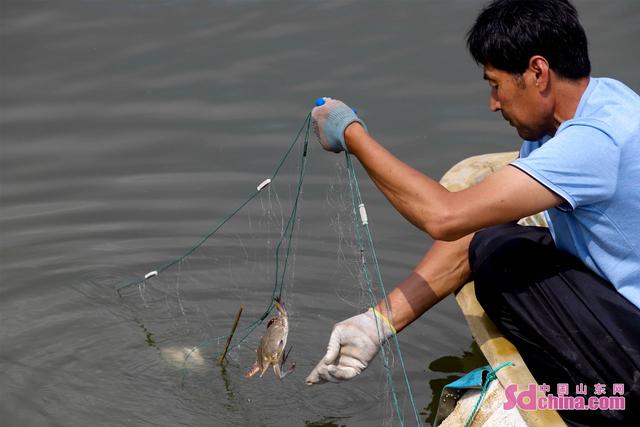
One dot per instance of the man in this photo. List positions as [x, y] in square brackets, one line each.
[569, 297]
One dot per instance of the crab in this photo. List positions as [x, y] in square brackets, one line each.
[271, 350]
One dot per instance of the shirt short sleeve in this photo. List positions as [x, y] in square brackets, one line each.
[580, 164]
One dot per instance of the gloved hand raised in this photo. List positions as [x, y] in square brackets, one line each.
[353, 344]
[330, 118]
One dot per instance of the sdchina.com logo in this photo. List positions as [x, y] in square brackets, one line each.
[529, 400]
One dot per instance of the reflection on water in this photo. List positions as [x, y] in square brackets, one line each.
[128, 128]
[456, 365]
[327, 422]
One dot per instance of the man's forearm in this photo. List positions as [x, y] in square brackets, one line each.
[420, 199]
[443, 269]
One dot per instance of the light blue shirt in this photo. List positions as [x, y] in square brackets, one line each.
[593, 162]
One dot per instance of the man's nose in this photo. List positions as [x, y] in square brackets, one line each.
[494, 104]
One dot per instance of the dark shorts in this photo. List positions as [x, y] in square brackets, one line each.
[569, 324]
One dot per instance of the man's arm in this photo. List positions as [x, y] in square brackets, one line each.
[443, 269]
[354, 342]
[450, 218]
[507, 195]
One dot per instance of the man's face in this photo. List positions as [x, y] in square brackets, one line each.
[517, 97]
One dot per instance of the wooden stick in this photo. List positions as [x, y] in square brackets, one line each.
[233, 331]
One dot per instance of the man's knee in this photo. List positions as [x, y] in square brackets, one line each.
[502, 247]
[487, 248]
[503, 255]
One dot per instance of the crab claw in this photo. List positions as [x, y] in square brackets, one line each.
[255, 368]
[277, 368]
[285, 355]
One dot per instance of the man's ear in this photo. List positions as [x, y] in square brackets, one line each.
[540, 71]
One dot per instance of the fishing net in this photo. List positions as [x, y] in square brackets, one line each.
[249, 256]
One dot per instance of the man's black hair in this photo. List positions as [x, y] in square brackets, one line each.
[507, 33]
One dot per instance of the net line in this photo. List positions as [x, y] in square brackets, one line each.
[305, 128]
[286, 235]
[364, 242]
[286, 238]
[364, 237]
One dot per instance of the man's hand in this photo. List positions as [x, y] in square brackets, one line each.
[353, 344]
[330, 119]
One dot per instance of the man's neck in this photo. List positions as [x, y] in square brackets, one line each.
[567, 95]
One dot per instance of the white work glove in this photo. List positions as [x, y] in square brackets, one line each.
[353, 344]
[330, 119]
